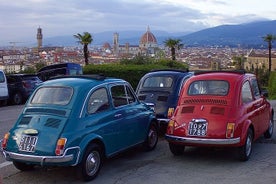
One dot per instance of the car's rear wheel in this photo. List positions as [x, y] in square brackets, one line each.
[246, 150]
[91, 163]
[176, 149]
[269, 131]
[152, 138]
[23, 166]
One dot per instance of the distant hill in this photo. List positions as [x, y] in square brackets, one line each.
[245, 35]
[131, 37]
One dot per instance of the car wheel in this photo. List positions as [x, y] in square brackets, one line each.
[22, 166]
[246, 150]
[17, 99]
[152, 138]
[269, 131]
[3, 103]
[176, 149]
[91, 163]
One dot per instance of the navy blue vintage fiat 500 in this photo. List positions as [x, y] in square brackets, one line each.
[78, 121]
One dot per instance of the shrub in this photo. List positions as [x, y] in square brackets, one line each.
[130, 72]
[272, 86]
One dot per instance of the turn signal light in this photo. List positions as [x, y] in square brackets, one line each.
[60, 146]
[230, 130]
[170, 128]
[170, 112]
[5, 140]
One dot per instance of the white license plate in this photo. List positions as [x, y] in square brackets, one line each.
[198, 128]
[27, 143]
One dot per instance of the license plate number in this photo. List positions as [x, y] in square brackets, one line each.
[198, 128]
[27, 143]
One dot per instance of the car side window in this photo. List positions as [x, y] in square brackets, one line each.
[121, 95]
[98, 101]
[246, 93]
[255, 88]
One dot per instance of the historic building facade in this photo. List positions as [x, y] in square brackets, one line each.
[259, 59]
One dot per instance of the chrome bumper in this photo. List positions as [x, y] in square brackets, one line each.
[10, 156]
[163, 121]
[193, 140]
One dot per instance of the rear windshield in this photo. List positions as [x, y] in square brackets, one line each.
[209, 87]
[158, 82]
[53, 95]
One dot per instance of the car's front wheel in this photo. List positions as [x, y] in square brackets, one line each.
[91, 163]
[246, 150]
[269, 131]
[152, 138]
[22, 166]
[176, 149]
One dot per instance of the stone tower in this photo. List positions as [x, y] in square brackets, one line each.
[39, 37]
[116, 43]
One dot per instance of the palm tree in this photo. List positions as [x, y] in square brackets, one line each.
[85, 40]
[173, 44]
[269, 38]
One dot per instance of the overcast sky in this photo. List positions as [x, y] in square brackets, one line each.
[19, 19]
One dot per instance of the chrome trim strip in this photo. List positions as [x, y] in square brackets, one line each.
[43, 159]
[193, 140]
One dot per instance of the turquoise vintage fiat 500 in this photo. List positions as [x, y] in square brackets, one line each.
[78, 121]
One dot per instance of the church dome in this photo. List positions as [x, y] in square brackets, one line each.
[148, 37]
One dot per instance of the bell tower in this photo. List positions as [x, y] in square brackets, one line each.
[116, 43]
[39, 37]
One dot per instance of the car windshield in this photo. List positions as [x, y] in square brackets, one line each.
[157, 82]
[53, 95]
[209, 87]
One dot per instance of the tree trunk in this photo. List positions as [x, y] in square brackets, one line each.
[85, 52]
[269, 57]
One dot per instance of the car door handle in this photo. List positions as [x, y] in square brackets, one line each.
[117, 115]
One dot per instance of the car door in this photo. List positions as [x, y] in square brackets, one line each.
[259, 103]
[251, 110]
[126, 114]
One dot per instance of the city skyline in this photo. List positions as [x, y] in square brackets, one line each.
[20, 19]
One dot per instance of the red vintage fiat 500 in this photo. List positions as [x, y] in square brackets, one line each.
[222, 108]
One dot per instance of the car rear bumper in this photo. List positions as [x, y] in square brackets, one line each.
[43, 160]
[202, 141]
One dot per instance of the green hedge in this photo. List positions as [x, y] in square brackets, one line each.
[272, 86]
[129, 72]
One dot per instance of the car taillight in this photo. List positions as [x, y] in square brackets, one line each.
[5, 140]
[26, 84]
[230, 130]
[170, 112]
[60, 146]
[170, 127]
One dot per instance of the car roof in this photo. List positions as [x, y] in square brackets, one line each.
[168, 72]
[228, 75]
[80, 80]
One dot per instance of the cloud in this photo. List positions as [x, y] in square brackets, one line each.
[20, 19]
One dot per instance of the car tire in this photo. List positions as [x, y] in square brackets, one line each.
[246, 150]
[268, 133]
[176, 149]
[152, 138]
[22, 166]
[3, 102]
[91, 163]
[17, 99]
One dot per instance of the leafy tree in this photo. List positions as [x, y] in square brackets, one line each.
[239, 62]
[85, 40]
[269, 38]
[173, 44]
